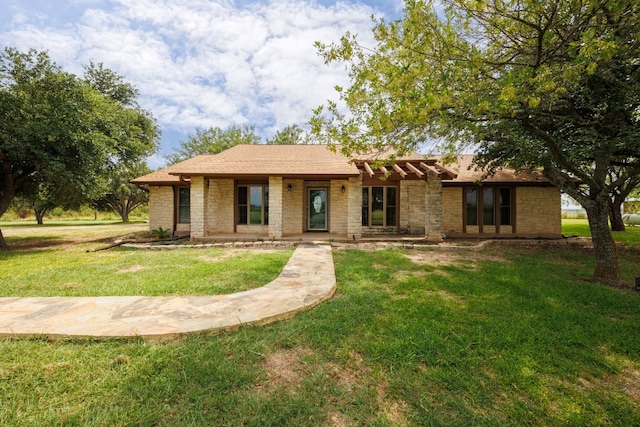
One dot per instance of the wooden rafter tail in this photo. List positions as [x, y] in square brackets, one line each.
[398, 169]
[384, 170]
[368, 169]
[446, 171]
[429, 168]
[415, 170]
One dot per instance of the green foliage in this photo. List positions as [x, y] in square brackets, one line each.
[60, 134]
[528, 84]
[161, 233]
[290, 135]
[121, 196]
[213, 141]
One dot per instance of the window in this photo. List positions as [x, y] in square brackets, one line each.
[253, 204]
[505, 206]
[379, 206]
[488, 206]
[184, 205]
[472, 206]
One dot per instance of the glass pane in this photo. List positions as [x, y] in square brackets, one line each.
[255, 211]
[391, 196]
[183, 214]
[377, 206]
[184, 196]
[242, 195]
[242, 214]
[505, 206]
[472, 206]
[487, 206]
[183, 205]
[318, 209]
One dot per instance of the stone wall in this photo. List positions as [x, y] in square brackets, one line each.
[338, 206]
[452, 210]
[354, 207]
[412, 207]
[221, 206]
[199, 206]
[293, 204]
[161, 209]
[275, 207]
[433, 208]
[538, 211]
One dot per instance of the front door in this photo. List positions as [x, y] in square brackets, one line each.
[317, 208]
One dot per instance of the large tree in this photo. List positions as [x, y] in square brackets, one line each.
[530, 84]
[122, 197]
[290, 135]
[55, 124]
[213, 141]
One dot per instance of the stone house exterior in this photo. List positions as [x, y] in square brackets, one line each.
[286, 191]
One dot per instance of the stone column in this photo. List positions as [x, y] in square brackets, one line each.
[354, 208]
[433, 209]
[199, 206]
[275, 207]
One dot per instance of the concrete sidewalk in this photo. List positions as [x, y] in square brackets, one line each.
[306, 280]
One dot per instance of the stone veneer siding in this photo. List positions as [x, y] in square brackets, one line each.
[293, 202]
[354, 207]
[199, 206]
[276, 207]
[452, 215]
[433, 208]
[412, 207]
[161, 207]
[538, 211]
[221, 206]
[338, 206]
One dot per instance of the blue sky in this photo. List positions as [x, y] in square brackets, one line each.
[200, 63]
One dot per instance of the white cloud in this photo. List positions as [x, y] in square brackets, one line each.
[202, 63]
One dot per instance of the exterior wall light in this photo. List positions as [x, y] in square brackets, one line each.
[289, 187]
[343, 189]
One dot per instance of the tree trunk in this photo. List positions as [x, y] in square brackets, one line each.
[3, 243]
[125, 215]
[616, 215]
[607, 264]
[39, 215]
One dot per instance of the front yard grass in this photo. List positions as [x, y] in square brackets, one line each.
[510, 335]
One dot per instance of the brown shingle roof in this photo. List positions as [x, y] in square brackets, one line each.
[271, 160]
[466, 175]
[163, 177]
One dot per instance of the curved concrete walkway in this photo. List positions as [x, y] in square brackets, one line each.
[306, 280]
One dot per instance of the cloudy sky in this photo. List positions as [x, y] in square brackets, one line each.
[201, 63]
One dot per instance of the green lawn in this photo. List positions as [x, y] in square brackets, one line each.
[580, 227]
[512, 335]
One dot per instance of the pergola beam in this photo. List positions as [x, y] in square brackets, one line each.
[368, 169]
[398, 169]
[429, 168]
[414, 169]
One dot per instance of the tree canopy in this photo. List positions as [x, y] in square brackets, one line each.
[63, 129]
[529, 84]
[213, 141]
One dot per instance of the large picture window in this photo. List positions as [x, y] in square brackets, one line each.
[379, 206]
[184, 205]
[488, 205]
[253, 204]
